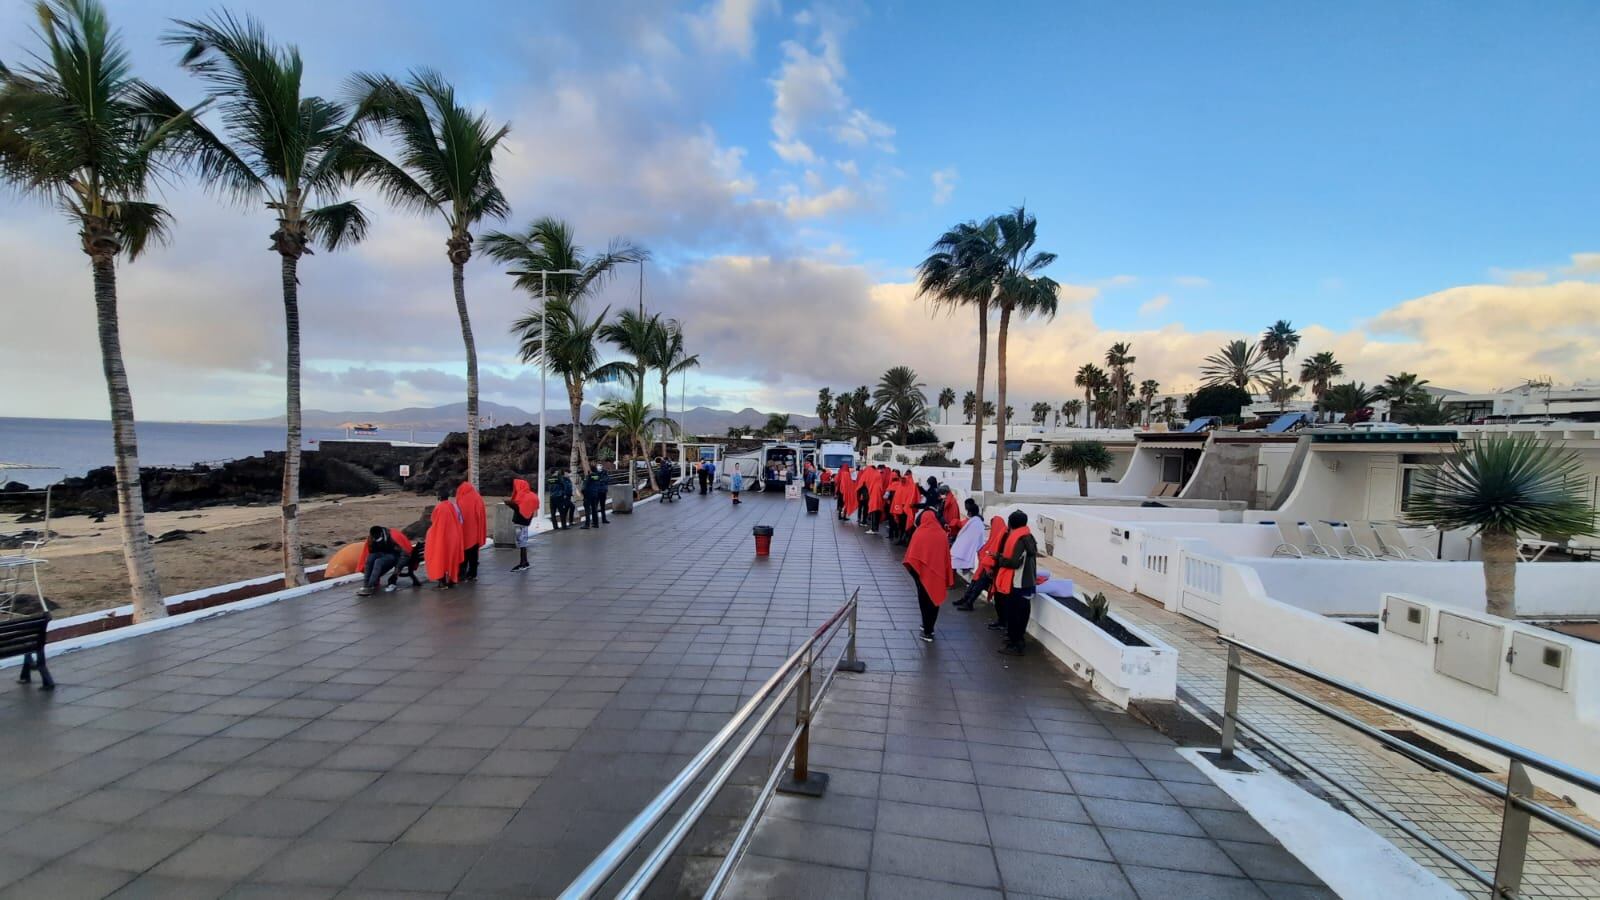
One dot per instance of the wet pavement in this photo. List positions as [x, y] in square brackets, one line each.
[490, 740]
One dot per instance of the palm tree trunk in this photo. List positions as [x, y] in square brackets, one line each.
[579, 453]
[294, 568]
[673, 428]
[977, 404]
[137, 551]
[1500, 573]
[458, 282]
[1083, 482]
[1000, 401]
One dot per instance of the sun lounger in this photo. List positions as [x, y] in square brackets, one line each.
[1529, 549]
[1325, 541]
[1291, 542]
[1362, 535]
[1395, 544]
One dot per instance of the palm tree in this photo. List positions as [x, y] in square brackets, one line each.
[947, 399]
[824, 405]
[1348, 398]
[77, 129]
[1501, 487]
[1041, 411]
[969, 406]
[572, 339]
[841, 409]
[899, 383]
[1238, 363]
[988, 409]
[1278, 343]
[291, 152]
[1402, 391]
[1118, 359]
[1082, 457]
[1319, 371]
[631, 420]
[1089, 377]
[1011, 413]
[1070, 410]
[905, 415]
[534, 255]
[777, 424]
[864, 425]
[959, 273]
[669, 357]
[1019, 290]
[633, 334]
[444, 166]
[1148, 389]
[1281, 392]
[1169, 409]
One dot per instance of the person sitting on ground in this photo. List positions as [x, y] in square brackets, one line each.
[524, 505]
[928, 561]
[384, 550]
[444, 551]
[474, 528]
[983, 574]
[969, 539]
[1016, 578]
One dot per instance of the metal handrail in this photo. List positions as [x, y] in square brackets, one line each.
[793, 677]
[1517, 794]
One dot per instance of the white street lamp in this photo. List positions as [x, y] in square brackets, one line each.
[544, 367]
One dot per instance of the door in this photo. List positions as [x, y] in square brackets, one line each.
[1383, 491]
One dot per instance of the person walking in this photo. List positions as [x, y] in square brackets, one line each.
[383, 551]
[442, 549]
[736, 484]
[524, 505]
[474, 528]
[1016, 568]
[928, 561]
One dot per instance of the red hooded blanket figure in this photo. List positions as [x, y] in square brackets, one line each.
[524, 499]
[474, 518]
[991, 547]
[444, 550]
[847, 485]
[928, 557]
[952, 515]
[395, 535]
[876, 485]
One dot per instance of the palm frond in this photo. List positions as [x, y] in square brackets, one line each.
[1506, 484]
[141, 223]
[337, 225]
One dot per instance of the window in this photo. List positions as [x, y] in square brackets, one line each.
[1172, 469]
[1412, 467]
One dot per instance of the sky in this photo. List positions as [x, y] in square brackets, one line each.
[1411, 184]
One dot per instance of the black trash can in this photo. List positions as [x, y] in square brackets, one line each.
[812, 501]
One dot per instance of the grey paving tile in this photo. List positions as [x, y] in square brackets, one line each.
[1231, 826]
[419, 867]
[193, 811]
[133, 849]
[783, 879]
[1159, 884]
[908, 789]
[281, 817]
[935, 860]
[847, 848]
[220, 856]
[318, 862]
[65, 879]
[113, 804]
[1143, 790]
[162, 887]
[378, 822]
[881, 886]
[458, 825]
[1268, 862]
[1111, 813]
[14, 867]
[1062, 877]
[1168, 851]
[1045, 836]
[832, 809]
[1032, 804]
[963, 825]
[51, 837]
[326, 784]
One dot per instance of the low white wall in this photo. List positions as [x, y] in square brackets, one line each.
[1561, 723]
[1355, 587]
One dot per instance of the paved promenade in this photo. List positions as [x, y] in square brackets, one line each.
[489, 740]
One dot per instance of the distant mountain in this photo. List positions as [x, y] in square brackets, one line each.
[450, 416]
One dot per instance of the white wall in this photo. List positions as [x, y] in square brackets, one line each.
[1356, 587]
[1562, 724]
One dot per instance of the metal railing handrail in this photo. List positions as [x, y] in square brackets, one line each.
[1517, 794]
[762, 707]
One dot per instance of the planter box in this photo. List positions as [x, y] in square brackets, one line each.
[1117, 672]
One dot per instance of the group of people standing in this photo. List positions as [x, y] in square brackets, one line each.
[928, 521]
[564, 499]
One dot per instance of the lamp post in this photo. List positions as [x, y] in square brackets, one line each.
[544, 367]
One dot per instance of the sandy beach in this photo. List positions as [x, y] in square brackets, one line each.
[87, 573]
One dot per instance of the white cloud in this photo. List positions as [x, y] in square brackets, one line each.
[1118, 281]
[860, 129]
[1519, 276]
[1154, 305]
[944, 184]
[730, 25]
[848, 167]
[1584, 264]
[1193, 281]
[814, 206]
[794, 151]
[808, 98]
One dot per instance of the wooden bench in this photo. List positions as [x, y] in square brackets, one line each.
[25, 638]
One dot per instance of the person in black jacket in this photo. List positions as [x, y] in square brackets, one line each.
[594, 497]
[1016, 570]
[558, 487]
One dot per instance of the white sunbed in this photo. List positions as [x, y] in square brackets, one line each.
[1362, 535]
[1326, 541]
[1395, 544]
[1291, 542]
[1530, 549]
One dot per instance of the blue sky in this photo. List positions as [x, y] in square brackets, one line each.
[1399, 179]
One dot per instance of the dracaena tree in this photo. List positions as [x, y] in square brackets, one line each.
[78, 130]
[444, 166]
[292, 153]
[1501, 487]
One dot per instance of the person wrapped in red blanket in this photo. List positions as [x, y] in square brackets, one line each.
[443, 549]
[928, 561]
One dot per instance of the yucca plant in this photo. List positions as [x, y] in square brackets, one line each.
[1500, 487]
[444, 165]
[1081, 457]
[293, 154]
[79, 130]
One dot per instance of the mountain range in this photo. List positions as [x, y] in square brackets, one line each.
[451, 416]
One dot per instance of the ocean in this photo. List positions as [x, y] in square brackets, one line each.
[75, 446]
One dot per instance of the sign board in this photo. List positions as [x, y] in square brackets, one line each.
[405, 470]
[708, 453]
[791, 492]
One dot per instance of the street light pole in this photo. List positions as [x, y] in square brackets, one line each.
[544, 367]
